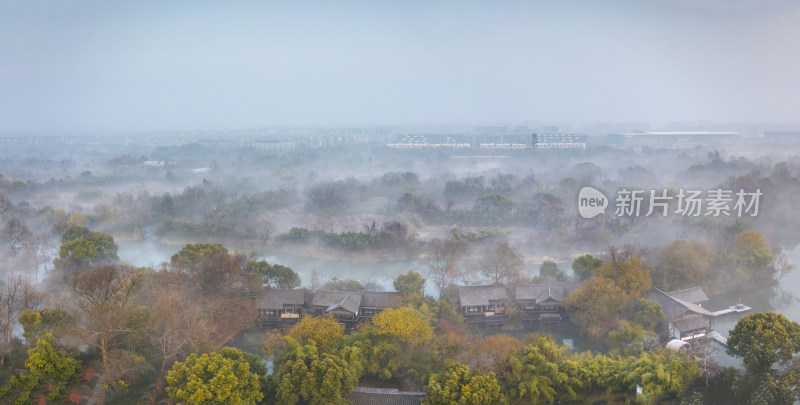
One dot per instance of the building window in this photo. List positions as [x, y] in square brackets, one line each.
[473, 310]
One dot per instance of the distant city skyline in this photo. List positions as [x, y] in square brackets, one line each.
[191, 65]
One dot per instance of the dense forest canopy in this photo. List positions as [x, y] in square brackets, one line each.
[81, 321]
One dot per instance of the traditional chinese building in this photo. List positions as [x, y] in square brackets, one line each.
[278, 307]
[684, 318]
[483, 305]
[541, 304]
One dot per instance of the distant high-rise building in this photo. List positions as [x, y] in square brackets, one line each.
[558, 141]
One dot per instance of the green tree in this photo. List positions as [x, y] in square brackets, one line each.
[77, 219]
[47, 360]
[777, 389]
[594, 305]
[52, 371]
[46, 320]
[585, 266]
[683, 264]
[549, 273]
[648, 313]
[456, 385]
[754, 257]
[343, 285]
[395, 344]
[631, 340]
[658, 375]
[310, 377]
[274, 275]
[410, 286]
[195, 252]
[763, 338]
[75, 232]
[218, 377]
[616, 285]
[630, 275]
[543, 372]
[82, 248]
[587, 171]
[493, 208]
[257, 367]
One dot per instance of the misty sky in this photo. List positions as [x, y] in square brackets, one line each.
[147, 65]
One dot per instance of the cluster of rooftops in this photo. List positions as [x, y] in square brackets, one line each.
[684, 317]
[486, 305]
[284, 306]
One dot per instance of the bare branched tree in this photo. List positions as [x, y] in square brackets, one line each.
[5, 204]
[501, 264]
[16, 296]
[59, 228]
[264, 228]
[443, 260]
[782, 265]
[103, 296]
[314, 282]
[18, 234]
[36, 249]
[616, 254]
[178, 326]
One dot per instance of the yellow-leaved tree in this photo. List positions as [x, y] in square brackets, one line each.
[398, 342]
[407, 325]
[322, 331]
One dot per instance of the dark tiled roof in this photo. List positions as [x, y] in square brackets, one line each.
[379, 299]
[692, 323]
[673, 307]
[694, 295]
[274, 298]
[349, 301]
[541, 292]
[481, 295]
[384, 396]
